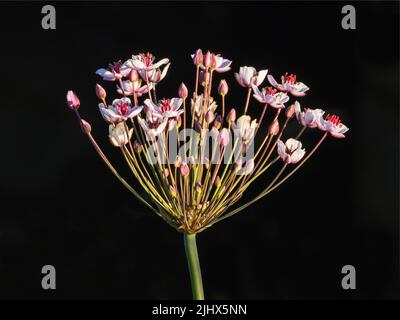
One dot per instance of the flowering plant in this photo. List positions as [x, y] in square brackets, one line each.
[192, 176]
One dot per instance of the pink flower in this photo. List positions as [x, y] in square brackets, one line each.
[152, 126]
[271, 97]
[73, 100]
[289, 84]
[100, 92]
[185, 170]
[148, 70]
[220, 64]
[183, 91]
[290, 152]
[197, 57]
[167, 108]
[119, 135]
[308, 117]
[114, 71]
[223, 137]
[120, 110]
[130, 87]
[333, 125]
[248, 76]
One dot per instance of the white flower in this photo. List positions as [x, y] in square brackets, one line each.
[119, 135]
[308, 117]
[114, 72]
[290, 152]
[167, 108]
[245, 127]
[248, 76]
[152, 126]
[289, 84]
[271, 97]
[333, 125]
[220, 64]
[120, 110]
[148, 70]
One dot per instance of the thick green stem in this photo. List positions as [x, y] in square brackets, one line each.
[194, 266]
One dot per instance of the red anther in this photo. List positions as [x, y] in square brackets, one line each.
[270, 91]
[333, 118]
[115, 66]
[123, 108]
[165, 105]
[147, 58]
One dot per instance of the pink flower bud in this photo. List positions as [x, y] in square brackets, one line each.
[207, 59]
[231, 116]
[224, 137]
[249, 166]
[238, 165]
[184, 170]
[223, 88]
[166, 173]
[72, 100]
[198, 57]
[134, 76]
[274, 128]
[290, 111]
[217, 182]
[213, 61]
[137, 146]
[86, 127]
[214, 133]
[210, 116]
[100, 92]
[183, 91]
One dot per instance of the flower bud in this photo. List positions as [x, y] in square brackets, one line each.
[184, 169]
[72, 100]
[223, 88]
[198, 187]
[218, 122]
[198, 127]
[249, 166]
[137, 147]
[166, 173]
[214, 133]
[100, 92]
[178, 161]
[224, 137]
[210, 116]
[192, 161]
[172, 190]
[238, 165]
[207, 59]
[183, 91]
[198, 57]
[290, 111]
[213, 61]
[231, 116]
[86, 127]
[206, 163]
[274, 128]
[134, 76]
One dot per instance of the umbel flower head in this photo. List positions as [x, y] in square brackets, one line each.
[191, 161]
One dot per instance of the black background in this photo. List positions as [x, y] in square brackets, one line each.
[60, 205]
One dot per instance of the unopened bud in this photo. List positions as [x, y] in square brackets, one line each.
[137, 147]
[238, 165]
[290, 111]
[134, 76]
[183, 91]
[274, 128]
[100, 92]
[86, 127]
[218, 182]
[198, 57]
[198, 127]
[249, 166]
[178, 161]
[184, 169]
[166, 173]
[213, 61]
[198, 187]
[223, 88]
[72, 100]
[224, 137]
[207, 59]
[231, 116]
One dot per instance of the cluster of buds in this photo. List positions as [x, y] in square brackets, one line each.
[191, 158]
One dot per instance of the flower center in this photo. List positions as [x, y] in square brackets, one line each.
[333, 118]
[270, 91]
[147, 59]
[123, 108]
[290, 78]
[115, 66]
[165, 105]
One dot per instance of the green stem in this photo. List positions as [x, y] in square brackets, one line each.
[194, 266]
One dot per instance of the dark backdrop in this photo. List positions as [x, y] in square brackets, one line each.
[60, 205]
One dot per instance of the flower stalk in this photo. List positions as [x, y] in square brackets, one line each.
[194, 266]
